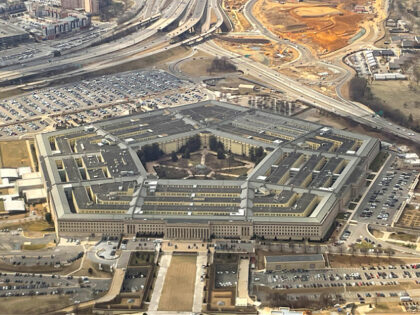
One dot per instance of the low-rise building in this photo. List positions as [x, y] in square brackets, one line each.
[11, 35]
[275, 263]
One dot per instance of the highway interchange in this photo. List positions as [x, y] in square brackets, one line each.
[164, 28]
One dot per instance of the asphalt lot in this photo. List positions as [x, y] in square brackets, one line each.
[387, 277]
[24, 284]
[63, 254]
[142, 244]
[93, 94]
[385, 196]
[135, 280]
[226, 275]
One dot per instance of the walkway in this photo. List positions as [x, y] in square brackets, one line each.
[199, 285]
[160, 280]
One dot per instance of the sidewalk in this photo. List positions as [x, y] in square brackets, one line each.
[160, 280]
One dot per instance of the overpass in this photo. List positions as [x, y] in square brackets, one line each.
[191, 20]
[361, 115]
[64, 64]
[173, 14]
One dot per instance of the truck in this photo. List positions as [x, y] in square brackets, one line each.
[405, 298]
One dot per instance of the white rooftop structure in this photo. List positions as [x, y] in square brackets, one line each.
[14, 205]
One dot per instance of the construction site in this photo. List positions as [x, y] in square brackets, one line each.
[322, 26]
[267, 52]
[234, 9]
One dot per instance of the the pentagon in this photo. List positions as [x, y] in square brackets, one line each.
[97, 183]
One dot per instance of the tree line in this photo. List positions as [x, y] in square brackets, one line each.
[360, 91]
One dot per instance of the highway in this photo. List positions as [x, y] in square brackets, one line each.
[191, 18]
[103, 52]
[151, 40]
[141, 44]
[362, 115]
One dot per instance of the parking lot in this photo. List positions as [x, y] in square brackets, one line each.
[30, 284]
[43, 259]
[379, 281]
[142, 244]
[385, 197]
[34, 50]
[135, 280]
[95, 99]
[226, 275]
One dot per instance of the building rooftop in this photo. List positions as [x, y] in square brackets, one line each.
[294, 258]
[94, 171]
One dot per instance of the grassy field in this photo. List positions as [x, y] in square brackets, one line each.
[33, 304]
[378, 161]
[195, 159]
[32, 226]
[390, 93]
[178, 289]
[377, 234]
[141, 259]
[36, 246]
[96, 273]
[170, 173]
[338, 261]
[403, 237]
[14, 154]
[213, 162]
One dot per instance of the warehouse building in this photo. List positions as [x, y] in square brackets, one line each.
[307, 262]
[11, 35]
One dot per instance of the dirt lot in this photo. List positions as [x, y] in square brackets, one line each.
[33, 304]
[323, 27]
[178, 289]
[14, 154]
[270, 54]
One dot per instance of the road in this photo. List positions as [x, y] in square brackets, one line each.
[304, 53]
[359, 114]
[99, 57]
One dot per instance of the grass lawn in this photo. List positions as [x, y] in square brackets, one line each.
[213, 162]
[96, 273]
[141, 259]
[390, 92]
[33, 304]
[344, 261]
[14, 154]
[36, 246]
[178, 289]
[33, 226]
[377, 234]
[195, 158]
[170, 173]
[378, 161]
[403, 237]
